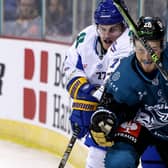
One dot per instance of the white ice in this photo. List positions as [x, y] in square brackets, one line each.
[18, 156]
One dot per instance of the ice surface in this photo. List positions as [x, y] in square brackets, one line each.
[17, 156]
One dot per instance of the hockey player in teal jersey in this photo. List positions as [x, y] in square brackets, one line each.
[133, 111]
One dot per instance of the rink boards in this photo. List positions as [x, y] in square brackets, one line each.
[34, 104]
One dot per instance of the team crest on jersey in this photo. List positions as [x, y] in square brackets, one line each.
[116, 76]
[99, 66]
[153, 117]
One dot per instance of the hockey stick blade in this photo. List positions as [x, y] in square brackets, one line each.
[69, 148]
[134, 29]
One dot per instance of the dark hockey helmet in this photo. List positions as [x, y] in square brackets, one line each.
[151, 28]
[107, 14]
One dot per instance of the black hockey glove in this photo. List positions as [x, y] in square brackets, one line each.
[103, 126]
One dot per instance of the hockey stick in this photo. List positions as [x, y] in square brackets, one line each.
[134, 29]
[69, 148]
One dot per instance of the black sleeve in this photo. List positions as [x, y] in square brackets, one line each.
[122, 110]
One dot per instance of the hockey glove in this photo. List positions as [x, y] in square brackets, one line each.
[103, 126]
[81, 114]
[84, 103]
[80, 88]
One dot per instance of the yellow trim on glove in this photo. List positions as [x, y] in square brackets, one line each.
[73, 91]
[100, 139]
[84, 105]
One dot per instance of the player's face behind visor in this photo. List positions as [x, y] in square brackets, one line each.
[144, 58]
[109, 22]
[109, 33]
[152, 30]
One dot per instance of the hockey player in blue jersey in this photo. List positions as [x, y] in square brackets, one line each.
[136, 90]
[97, 49]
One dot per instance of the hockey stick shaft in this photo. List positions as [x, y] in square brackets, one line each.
[134, 29]
[69, 148]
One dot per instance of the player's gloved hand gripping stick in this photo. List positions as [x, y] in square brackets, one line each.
[133, 27]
